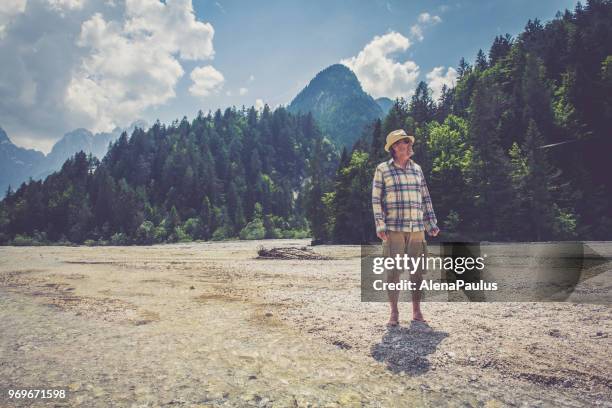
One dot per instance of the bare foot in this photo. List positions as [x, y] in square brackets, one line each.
[394, 319]
[418, 316]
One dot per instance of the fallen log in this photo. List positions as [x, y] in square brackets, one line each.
[289, 253]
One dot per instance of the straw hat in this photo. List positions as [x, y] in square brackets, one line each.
[395, 136]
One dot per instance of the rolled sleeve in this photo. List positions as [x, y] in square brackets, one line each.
[429, 216]
[378, 191]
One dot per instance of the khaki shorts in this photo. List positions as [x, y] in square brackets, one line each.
[399, 243]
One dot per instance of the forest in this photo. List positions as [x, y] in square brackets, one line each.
[240, 173]
[518, 150]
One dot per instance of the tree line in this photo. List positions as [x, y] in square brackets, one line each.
[240, 173]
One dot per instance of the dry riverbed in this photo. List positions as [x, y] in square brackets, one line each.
[207, 324]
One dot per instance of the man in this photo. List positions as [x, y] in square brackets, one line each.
[403, 212]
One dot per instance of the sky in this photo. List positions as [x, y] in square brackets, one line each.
[100, 64]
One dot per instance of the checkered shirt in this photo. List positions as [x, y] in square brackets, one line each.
[400, 199]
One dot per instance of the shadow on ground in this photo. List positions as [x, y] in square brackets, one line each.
[405, 349]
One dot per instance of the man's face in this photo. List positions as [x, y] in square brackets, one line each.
[403, 147]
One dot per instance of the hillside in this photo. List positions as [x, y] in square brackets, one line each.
[338, 103]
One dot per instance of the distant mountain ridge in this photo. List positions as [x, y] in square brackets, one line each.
[338, 103]
[18, 164]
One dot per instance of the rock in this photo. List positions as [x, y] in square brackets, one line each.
[341, 344]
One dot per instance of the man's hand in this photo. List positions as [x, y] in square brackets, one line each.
[434, 233]
[382, 235]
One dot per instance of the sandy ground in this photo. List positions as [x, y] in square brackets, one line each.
[206, 324]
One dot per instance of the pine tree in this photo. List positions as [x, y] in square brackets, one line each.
[481, 61]
[463, 68]
[445, 104]
[537, 182]
[488, 175]
[500, 48]
[315, 209]
[422, 106]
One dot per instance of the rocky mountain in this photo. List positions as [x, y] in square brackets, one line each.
[82, 139]
[18, 164]
[338, 103]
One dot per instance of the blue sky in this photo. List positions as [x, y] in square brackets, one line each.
[100, 64]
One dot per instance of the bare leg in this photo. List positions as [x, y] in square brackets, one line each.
[395, 244]
[417, 278]
[393, 299]
[416, 248]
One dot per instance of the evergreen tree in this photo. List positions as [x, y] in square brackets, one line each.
[481, 61]
[464, 68]
[500, 48]
[351, 206]
[534, 185]
[489, 213]
[445, 104]
[422, 106]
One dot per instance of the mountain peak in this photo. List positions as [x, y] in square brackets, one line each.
[337, 75]
[338, 103]
[338, 69]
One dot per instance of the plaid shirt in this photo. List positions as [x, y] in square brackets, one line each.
[400, 199]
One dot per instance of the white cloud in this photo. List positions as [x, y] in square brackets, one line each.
[9, 9]
[171, 26]
[424, 20]
[39, 55]
[64, 5]
[417, 32]
[133, 64]
[251, 78]
[381, 75]
[259, 104]
[436, 78]
[243, 91]
[206, 80]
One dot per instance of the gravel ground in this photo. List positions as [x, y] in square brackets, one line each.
[206, 324]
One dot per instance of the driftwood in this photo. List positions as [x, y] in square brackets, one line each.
[289, 253]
